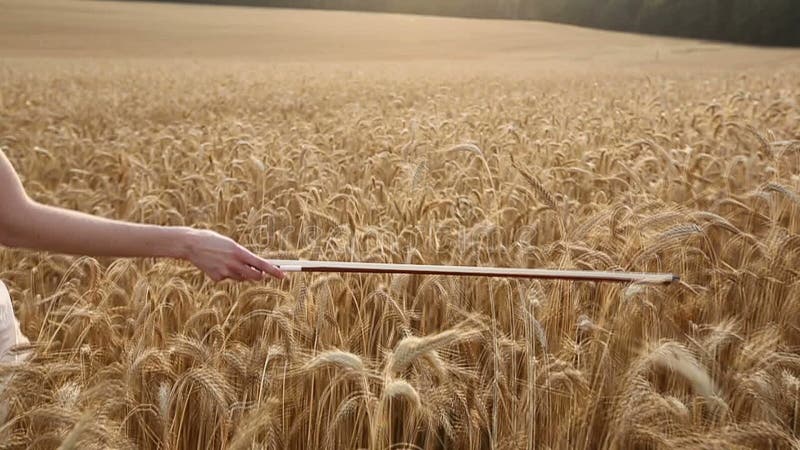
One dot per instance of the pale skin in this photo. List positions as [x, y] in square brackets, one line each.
[27, 224]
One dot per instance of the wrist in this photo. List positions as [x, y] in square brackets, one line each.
[181, 243]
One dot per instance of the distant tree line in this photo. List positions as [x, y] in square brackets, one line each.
[765, 22]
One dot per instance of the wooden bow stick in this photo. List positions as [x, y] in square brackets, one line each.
[575, 275]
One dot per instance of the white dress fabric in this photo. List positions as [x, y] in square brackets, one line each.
[10, 334]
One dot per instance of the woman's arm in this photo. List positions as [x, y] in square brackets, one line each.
[27, 224]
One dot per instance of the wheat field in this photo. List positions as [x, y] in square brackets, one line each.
[440, 141]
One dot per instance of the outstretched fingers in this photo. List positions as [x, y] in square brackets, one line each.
[261, 265]
[243, 272]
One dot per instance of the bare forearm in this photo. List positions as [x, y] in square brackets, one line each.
[40, 227]
[27, 224]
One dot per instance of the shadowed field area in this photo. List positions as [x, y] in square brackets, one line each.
[66, 29]
[380, 138]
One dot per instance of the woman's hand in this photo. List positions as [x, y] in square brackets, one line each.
[222, 258]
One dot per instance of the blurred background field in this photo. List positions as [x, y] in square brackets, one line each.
[398, 138]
